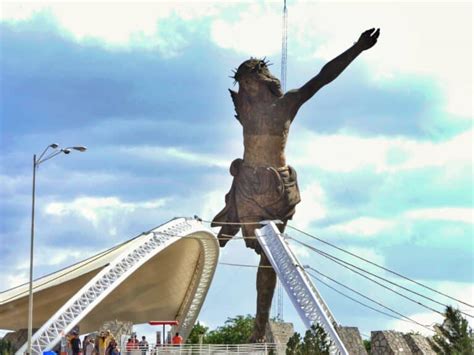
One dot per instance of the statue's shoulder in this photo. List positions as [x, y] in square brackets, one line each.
[235, 99]
[290, 102]
[291, 96]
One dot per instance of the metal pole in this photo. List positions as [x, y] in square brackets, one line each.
[30, 300]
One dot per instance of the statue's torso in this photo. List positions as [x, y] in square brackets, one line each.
[266, 126]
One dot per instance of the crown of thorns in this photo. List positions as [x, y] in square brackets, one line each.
[251, 66]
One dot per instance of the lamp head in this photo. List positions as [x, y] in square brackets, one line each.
[80, 148]
[54, 145]
[66, 151]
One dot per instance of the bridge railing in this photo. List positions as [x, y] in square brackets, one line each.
[214, 349]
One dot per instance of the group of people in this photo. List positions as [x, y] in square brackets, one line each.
[105, 344]
[134, 346]
[142, 347]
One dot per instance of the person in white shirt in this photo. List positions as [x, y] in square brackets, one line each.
[90, 347]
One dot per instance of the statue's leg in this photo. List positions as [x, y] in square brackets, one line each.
[266, 281]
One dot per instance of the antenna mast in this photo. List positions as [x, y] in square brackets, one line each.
[284, 48]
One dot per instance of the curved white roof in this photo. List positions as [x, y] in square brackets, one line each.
[169, 283]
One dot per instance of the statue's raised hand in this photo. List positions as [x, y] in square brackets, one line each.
[368, 38]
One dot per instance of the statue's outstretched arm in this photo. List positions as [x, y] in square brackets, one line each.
[332, 69]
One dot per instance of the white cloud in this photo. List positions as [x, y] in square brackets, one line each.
[338, 153]
[411, 41]
[11, 184]
[213, 202]
[345, 153]
[461, 291]
[59, 256]
[19, 12]
[457, 290]
[14, 279]
[364, 226]
[311, 207]
[46, 257]
[465, 215]
[114, 24]
[407, 44]
[153, 153]
[369, 254]
[256, 32]
[87, 20]
[425, 318]
[300, 251]
[99, 209]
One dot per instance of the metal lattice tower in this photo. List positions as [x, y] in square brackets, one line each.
[300, 290]
[284, 49]
[284, 46]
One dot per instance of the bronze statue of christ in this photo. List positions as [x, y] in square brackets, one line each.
[264, 186]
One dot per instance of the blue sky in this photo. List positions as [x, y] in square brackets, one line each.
[383, 154]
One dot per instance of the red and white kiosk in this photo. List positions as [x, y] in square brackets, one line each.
[160, 341]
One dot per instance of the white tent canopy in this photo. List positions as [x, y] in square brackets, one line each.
[164, 287]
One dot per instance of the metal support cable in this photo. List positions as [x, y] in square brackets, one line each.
[247, 265]
[257, 223]
[372, 263]
[403, 317]
[379, 266]
[352, 266]
[362, 295]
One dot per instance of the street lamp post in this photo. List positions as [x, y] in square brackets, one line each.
[36, 162]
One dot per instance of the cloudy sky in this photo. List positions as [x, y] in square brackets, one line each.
[384, 153]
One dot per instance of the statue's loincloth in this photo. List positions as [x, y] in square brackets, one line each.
[256, 194]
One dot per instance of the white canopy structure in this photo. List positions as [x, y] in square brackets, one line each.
[163, 274]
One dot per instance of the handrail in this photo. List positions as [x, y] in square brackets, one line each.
[202, 349]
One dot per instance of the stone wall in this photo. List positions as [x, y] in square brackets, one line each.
[418, 344]
[279, 332]
[388, 343]
[352, 340]
[18, 338]
[118, 328]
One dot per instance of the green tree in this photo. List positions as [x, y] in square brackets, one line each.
[197, 331]
[236, 330]
[293, 346]
[315, 342]
[454, 336]
[367, 345]
[6, 347]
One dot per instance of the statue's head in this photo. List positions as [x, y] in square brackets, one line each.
[253, 75]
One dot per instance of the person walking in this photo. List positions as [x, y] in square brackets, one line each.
[135, 345]
[112, 349]
[75, 344]
[143, 345]
[84, 343]
[129, 346]
[177, 339]
[89, 348]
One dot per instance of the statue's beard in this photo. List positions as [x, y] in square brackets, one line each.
[275, 88]
[273, 85]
